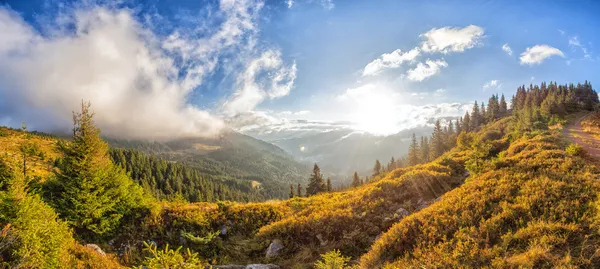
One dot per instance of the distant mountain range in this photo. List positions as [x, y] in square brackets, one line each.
[344, 150]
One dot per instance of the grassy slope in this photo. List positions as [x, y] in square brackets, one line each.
[532, 206]
[10, 140]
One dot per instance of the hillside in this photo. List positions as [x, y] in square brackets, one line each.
[232, 157]
[513, 192]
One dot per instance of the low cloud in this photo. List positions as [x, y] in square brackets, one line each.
[452, 39]
[138, 82]
[425, 70]
[538, 54]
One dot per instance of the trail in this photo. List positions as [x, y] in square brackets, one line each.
[575, 133]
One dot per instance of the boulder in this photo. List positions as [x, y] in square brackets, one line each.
[229, 266]
[274, 248]
[96, 248]
[262, 266]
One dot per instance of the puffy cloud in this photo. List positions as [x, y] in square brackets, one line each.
[506, 48]
[538, 53]
[425, 70]
[452, 39]
[492, 84]
[137, 81]
[264, 77]
[390, 60]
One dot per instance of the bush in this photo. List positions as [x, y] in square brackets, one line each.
[332, 260]
[169, 258]
[574, 150]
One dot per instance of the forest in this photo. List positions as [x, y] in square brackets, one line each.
[500, 187]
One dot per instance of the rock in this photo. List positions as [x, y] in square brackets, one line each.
[262, 266]
[402, 212]
[229, 266]
[223, 229]
[96, 248]
[321, 240]
[274, 248]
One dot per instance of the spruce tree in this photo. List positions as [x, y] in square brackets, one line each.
[299, 191]
[475, 117]
[377, 168]
[292, 191]
[424, 149]
[413, 151]
[88, 190]
[436, 146]
[329, 186]
[355, 180]
[502, 106]
[466, 124]
[316, 183]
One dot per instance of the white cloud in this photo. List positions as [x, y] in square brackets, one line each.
[506, 48]
[138, 82]
[390, 60]
[452, 39]
[492, 84]
[264, 77]
[290, 3]
[423, 71]
[538, 53]
[574, 44]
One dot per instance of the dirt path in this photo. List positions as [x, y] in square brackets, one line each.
[574, 131]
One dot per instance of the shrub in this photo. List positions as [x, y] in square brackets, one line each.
[332, 260]
[172, 259]
[574, 150]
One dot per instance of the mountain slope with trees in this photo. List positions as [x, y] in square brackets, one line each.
[506, 191]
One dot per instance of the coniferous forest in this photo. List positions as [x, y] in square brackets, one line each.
[500, 187]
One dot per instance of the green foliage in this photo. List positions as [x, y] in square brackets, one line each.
[574, 150]
[171, 258]
[32, 236]
[88, 191]
[333, 260]
[166, 179]
[316, 183]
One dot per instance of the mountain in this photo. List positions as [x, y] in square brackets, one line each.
[511, 189]
[230, 157]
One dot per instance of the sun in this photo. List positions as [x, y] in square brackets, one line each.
[376, 114]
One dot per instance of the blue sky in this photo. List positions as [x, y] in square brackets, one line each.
[200, 66]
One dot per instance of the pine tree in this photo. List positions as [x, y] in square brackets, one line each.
[89, 191]
[377, 168]
[475, 117]
[292, 191]
[392, 164]
[466, 124]
[502, 106]
[329, 186]
[436, 147]
[413, 151]
[484, 114]
[316, 183]
[299, 191]
[355, 180]
[424, 149]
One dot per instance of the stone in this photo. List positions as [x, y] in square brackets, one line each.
[262, 266]
[274, 248]
[402, 212]
[229, 266]
[96, 248]
[223, 229]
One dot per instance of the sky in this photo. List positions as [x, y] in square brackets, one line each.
[161, 69]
